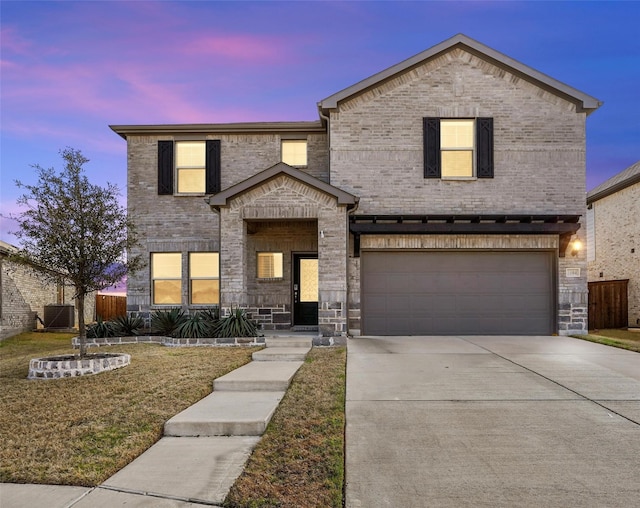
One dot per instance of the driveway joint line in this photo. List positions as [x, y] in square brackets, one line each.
[81, 497]
[552, 381]
[158, 495]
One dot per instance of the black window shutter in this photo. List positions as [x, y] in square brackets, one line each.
[431, 140]
[165, 167]
[213, 166]
[484, 153]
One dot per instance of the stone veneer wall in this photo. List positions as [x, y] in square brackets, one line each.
[617, 244]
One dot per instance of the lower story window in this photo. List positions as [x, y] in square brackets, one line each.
[269, 265]
[204, 278]
[166, 278]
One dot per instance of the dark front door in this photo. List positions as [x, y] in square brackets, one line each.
[305, 289]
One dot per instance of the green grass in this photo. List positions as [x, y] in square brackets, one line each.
[300, 460]
[80, 431]
[619, 338]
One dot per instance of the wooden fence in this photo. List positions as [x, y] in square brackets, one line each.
[608, 305]
[110, 306]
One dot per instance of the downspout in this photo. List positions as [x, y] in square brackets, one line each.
[327, 122]
[350, 210]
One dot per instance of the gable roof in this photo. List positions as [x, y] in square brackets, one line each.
[582, 101]
[221, 199]
[616, 183]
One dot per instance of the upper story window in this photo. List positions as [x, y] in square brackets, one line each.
[294, 152]
[270, 265]
[458, 148]
[189, 167]
[166, 278]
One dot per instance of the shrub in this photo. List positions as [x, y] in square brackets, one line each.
[212, 314]
[165, 322]
[101, 329]
[196, 326]
[237, 324]
[128, 325]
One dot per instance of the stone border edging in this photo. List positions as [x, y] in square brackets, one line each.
[170, 341]
[175, 342]
[52, 368]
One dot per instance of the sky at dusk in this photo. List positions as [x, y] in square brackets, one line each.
[69, 69]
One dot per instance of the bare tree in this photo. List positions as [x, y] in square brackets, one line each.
[75, 228]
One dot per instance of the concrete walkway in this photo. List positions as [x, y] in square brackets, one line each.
[491, 422]
[204, 449]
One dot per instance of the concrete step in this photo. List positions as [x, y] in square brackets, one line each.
[198, 469]
[258, 376]
[289, 341]
[226, 414]
[281, 354]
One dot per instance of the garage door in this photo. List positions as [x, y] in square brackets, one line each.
[457, 293]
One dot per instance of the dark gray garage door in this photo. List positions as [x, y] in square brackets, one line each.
[457, 293]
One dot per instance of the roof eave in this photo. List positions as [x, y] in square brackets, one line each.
[583, 102]
[613, 189]
[219, 128]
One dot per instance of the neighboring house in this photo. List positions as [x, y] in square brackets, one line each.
[24, 295]
[437, 197]
[613, 250]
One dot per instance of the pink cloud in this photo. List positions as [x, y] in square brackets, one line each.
[13, 42]
[252, 49]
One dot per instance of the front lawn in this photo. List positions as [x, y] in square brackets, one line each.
[80, 431]
[621, 338]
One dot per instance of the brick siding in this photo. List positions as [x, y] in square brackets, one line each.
[539, 156]
[376, 154]
[23, 295]
[617, 244]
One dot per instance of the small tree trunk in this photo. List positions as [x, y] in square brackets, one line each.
[82, 335]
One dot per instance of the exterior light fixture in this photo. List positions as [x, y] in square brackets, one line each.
[576, 246]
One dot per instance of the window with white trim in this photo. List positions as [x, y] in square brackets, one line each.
[183, 166]
[190, 167]
[457, 146]
[204, 278]
[166, 278]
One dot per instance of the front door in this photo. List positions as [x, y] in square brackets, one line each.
[305, 289]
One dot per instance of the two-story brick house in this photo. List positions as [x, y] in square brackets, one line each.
[440, 196]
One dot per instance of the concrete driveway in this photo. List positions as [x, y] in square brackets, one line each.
[491, 421]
